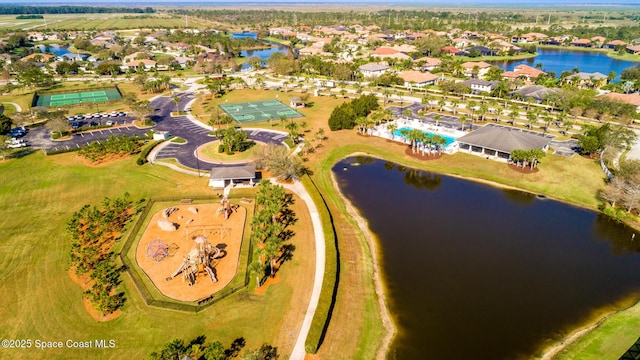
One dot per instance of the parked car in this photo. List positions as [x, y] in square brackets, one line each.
[71, 118]
[104, 115]
[122, 113]
[79, 116]
[114, 114]
[110, 123]
[93, 123]
[89, 116]
[75, 125]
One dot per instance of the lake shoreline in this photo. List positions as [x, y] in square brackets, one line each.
[548, 352]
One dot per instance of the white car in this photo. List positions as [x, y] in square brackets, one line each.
[110, 123]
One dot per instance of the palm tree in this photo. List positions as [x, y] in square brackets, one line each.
[483, 110]
[176, 100]
[437, 118]
[498, 111]
[531, 116]
[514, 112]
[392, 128]
[463, 120]
[426, 101]
[441, 103]
[471, 106]
[454, 105]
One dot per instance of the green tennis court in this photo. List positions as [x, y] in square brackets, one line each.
[74, 98]
[257, 111]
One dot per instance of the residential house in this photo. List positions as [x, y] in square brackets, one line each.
[529, 37]
[614, 44]
[591, 80]
[523, 71]
[633, 49]
[633, 99]
[136, 64]
[582, 43]
[450, 50]
[598, 40]
[427, 63]
[413, 78]
[479, 86]
[537, 92]
[470, 67]
[373, 69]
[38, 57]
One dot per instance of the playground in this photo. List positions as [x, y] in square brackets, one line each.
[257, 111]
[190, 252]
[74, 98]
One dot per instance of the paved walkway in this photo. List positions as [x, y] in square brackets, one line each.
[634, 153]
[297, 187]
[18, 107]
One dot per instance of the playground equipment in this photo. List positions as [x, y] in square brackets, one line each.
[201, 259]
[157, 250]
[226, 208]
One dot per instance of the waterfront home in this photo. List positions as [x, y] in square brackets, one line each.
[497, 142]
[38, 57]
[614, 44]
[479, 86]
[387, 52]
[582, 43]
[529, 37]
[633, 49]
[373, 69]
[523, 71]
[591, 80]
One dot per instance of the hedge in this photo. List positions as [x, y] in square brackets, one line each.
[142, 159]
[330, 283]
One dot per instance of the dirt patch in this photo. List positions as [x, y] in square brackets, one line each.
[208, 222]
[104, 161]
[418, 155]
[523, 170]
[270, 281]
[95, 314]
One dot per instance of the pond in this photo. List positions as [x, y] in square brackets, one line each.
[54, 49]
[264, 53]
[477, 272]
[559, 60]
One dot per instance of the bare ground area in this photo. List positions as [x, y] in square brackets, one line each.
[221, 233]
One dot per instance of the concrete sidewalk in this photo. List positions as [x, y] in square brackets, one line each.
[297, 188]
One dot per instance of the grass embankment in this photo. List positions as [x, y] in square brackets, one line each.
[499, 58]
[625, 56]
[38, 195]
[610, 339]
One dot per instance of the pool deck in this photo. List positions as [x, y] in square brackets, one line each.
[383, 132]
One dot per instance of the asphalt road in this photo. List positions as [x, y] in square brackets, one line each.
[194, 134]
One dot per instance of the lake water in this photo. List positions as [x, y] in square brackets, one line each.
[55, 49]
[559, 60]
[264, 53]
[476, 272]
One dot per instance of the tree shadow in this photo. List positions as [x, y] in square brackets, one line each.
[235, 347]
[287, 253]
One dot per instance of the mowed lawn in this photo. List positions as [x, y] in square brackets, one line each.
[38, 195]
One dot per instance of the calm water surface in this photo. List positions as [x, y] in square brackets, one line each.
[476, 272]
[559, 60]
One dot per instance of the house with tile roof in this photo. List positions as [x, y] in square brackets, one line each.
[413, 78]
[523, 71]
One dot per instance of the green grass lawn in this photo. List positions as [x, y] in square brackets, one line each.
[38, 195]
[210, 152]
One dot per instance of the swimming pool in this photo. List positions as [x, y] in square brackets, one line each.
[449, 139]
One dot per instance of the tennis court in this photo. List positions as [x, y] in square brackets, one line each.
[94, 96]
[256, 111]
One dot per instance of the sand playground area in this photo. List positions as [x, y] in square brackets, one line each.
[193, 222]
